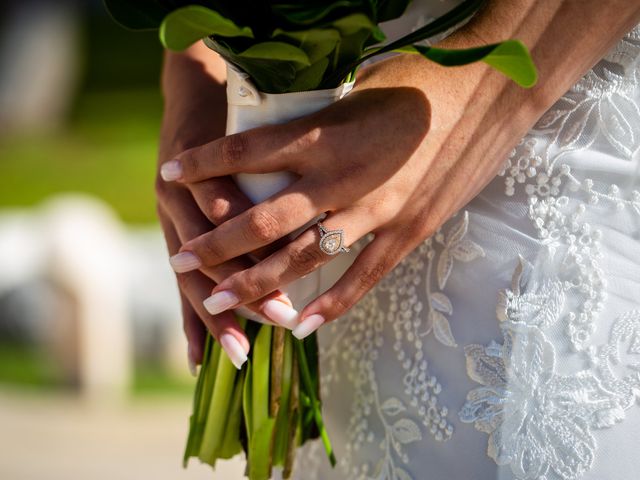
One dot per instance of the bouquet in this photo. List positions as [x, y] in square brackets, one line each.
[287, 59]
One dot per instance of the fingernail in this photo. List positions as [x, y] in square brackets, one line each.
[251, 315]
[171, 171]
[220, 301]
[308, 326]
[184, 262]
[281, 313]
[234, 350]
[193, 368]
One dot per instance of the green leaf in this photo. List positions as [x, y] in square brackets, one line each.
[187, 25]
[313, 13]
[309, 78]
[316, 43]
[390, 9]
[270, 76]
[138, 15]
[231, 442]
[274, 51]
[510, 58]
[219, 406]
[260, 437]
[353, 23]
[439, 25]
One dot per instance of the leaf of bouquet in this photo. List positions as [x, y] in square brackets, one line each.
[447, 21]
[218, 409]
[389, 9]
[277, 51]
[316, 43]
[185, 26]
[260, 437]
[231, 441]
[281, 430]
[510, 58]
[137, 15]
[313, 13]
[310, 77]
[202, 398]
[269, 76]
[356, 30]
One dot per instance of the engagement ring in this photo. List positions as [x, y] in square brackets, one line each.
[331, 241]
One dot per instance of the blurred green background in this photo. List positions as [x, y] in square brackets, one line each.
[107, 144]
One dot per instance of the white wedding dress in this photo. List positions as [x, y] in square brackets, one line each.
[507, 346]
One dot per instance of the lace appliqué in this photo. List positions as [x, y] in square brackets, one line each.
[539, 422]
[394, 422]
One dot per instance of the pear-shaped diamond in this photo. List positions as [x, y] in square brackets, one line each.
[331, 242]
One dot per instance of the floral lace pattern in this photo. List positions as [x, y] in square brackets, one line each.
[362, 335]
[538, 421]
[544, 390]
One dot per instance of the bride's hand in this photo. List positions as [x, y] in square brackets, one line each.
[186, 212]
[404, 151]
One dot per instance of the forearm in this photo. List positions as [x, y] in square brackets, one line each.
[566, 37]
[193, 87]
[478, 114]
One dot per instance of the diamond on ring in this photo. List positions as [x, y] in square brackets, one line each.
[331, 241]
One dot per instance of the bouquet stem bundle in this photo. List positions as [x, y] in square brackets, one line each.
[267, 409]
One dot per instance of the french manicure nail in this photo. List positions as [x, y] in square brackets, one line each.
[184, 262]
[234, 350]
[281, 313]
[220, 301]
[193, 368]
[308, 326]
[251, 315]
[171, 171]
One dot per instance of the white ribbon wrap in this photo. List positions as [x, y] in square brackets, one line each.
[249, 108]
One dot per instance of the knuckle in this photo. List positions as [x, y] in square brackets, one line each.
[190, 165]
[218, 210]
[233, 149]
[161, 189]
[185, 281]
[249, 286]
[305, 260]
[209, 250]
[368, 277]
[339, 305]
[263, 226]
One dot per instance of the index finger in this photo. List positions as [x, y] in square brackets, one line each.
[265, 149]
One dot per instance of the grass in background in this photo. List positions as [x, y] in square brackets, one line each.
[28, 366]
[109, 150]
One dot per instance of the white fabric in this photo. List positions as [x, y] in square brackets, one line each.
[507, 346]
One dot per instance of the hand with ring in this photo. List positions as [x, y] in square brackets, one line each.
[397, 157]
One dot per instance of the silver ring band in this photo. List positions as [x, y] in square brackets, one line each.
[331, 241]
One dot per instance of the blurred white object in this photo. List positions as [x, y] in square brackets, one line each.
[38, 64]
[109, 286]
[87, 256]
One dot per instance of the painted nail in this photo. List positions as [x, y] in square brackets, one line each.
[281, 313]
[171, 171]
[220, 301]
[193, 368]
[308, 326]
[234, 350]
[251, 315]
[184, 262]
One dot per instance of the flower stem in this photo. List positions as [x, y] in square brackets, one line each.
[315, 403]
